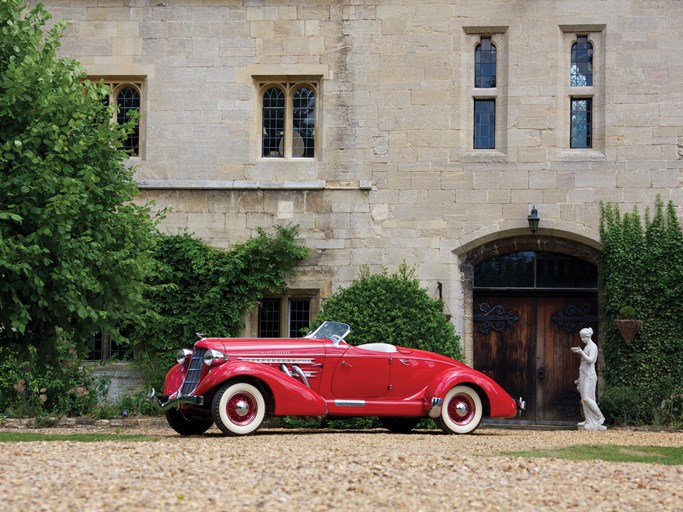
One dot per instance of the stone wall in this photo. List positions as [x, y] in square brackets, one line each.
[395, 178]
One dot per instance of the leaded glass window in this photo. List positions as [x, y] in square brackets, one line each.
[288, 120]
[127, 102]
[303, 135]
[299, 316]
[581, 71]
[269, 319]
[485, 64]
[581, 113]
[273, 122]
[484, 124]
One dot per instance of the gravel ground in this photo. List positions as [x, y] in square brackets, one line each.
[316, 470]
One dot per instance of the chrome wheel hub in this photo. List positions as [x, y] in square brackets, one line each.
[461, 409]
[241, 408]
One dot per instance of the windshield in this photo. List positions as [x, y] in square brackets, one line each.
[335, 331]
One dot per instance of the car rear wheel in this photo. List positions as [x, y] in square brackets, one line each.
[461, 412]
[238, 408]
[399, 425]
[186, 426]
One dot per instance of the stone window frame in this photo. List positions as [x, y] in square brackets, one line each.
[116, 84]
[289, 85]
[499, 39]
[596, 36]
[312, 295]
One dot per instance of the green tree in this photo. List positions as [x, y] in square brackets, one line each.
[74, 248]
[392, 309]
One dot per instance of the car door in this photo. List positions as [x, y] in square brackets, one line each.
[361, 374]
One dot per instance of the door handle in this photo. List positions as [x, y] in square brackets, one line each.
[404, 362]
[344, 363]
[541, 373]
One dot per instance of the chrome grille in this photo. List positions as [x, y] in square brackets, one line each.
[194, 372]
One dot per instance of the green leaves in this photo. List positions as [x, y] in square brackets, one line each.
[196, 288]
[392, 309]
[74, 248]
[643, 269]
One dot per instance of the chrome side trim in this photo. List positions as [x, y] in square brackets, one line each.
[435, 411]
[301, 375]
[277, 360]
[349, 403]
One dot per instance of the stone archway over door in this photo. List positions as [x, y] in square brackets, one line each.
[523, 340]
[528, 306]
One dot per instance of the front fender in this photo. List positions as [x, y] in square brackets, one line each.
[292, 398]
[501, 404]
[174, 379]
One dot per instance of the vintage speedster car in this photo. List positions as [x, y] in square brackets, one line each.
[235, 382]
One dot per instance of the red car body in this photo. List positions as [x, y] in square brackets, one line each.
[235, 382]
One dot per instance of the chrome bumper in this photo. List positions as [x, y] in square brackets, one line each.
[166, 402]
[435, 411]
[521, 406]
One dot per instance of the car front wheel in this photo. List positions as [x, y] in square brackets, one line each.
[461, 412]
[238, 408]
[186, 426]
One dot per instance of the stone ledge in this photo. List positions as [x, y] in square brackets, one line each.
[252, 185]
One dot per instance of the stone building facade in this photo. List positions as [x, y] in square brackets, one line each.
[407, 131]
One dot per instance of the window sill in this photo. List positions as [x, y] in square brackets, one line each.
[485, 155]
[252, 185]
[582, 155]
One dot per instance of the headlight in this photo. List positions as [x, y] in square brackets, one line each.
[182, 355]
[213, 357]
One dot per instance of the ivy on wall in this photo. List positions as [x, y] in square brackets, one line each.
[199, 289]
[643, 270]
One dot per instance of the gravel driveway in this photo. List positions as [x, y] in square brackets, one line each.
[315, 470]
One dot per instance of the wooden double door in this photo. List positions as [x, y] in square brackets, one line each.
[523, 342]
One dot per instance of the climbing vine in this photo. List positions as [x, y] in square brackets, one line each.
[643, 270]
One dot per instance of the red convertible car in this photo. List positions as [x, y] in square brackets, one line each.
[235, 382]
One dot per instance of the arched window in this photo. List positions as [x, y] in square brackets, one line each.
[288, 120]
[530, 269]
[581, 71]
[303, 136]
[128, 101]
[485, 64]
[273, 121]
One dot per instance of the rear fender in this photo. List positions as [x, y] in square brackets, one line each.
[501, 405]
[292, 398]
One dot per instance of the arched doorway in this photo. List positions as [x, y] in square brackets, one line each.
[528, 304]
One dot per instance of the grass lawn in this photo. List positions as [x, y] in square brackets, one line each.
[14, 437]
[670, 455]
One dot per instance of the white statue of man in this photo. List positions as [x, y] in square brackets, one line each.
[588, 380]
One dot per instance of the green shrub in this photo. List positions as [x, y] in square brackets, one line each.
[392, 309]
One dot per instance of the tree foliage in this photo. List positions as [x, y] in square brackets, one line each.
[643, 269]
[196, 288]
[73, 246]
[392, 309]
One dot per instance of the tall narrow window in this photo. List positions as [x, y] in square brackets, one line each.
[269, 319]
[127, 102]
[299, 316]
[581, 71]
[484, 124]
[288, 120]
[485, 64]
[273, 122]
[581, 111]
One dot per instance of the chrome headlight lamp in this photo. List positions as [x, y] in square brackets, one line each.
[214, 357]
[182, 355]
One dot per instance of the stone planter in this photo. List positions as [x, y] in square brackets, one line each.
[628, 328]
